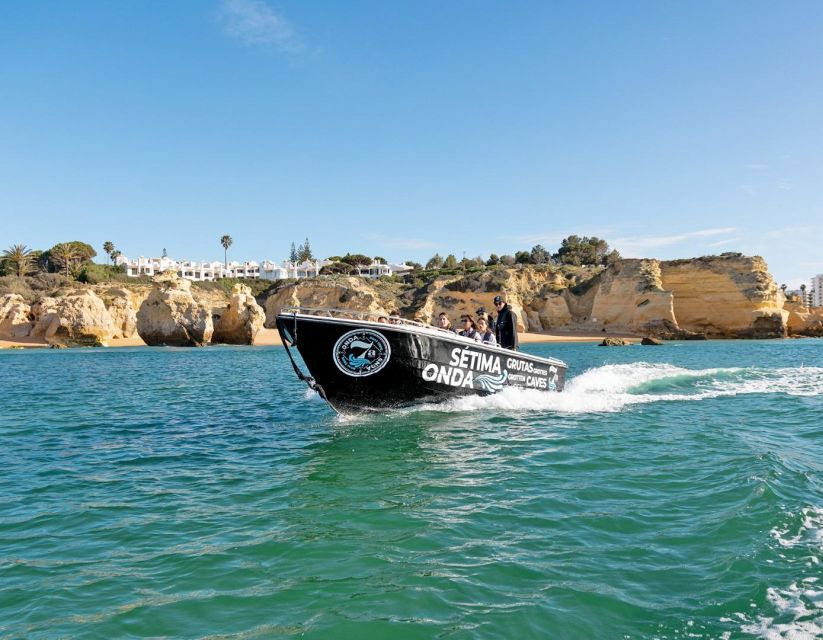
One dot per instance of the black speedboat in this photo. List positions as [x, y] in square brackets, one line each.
[360, 362]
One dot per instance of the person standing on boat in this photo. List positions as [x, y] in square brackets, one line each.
[485, 333]
[506, 325]
[469, 328]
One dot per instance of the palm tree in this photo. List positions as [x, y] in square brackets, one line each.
[108, 247]
[226, 241]
[20, 256]
[63, 255]
[803, 295]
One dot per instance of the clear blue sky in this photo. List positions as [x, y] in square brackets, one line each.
[672, 129]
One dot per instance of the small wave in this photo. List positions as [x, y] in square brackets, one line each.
[611, 388]
[795, 611]
[810, 531]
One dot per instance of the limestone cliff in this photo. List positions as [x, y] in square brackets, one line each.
[626, 297]
[524, 288]
[171, 316]
[241, 321]
[727, 296]
[120, 303]
[80, 320]
[458, 295]
[15, 316]
[336, 292]
[44, 312]
[804, 321]
[720, 296]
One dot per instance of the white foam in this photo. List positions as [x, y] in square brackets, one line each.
[611, 388]
[800, 630]
[810, 531]
[799, 606]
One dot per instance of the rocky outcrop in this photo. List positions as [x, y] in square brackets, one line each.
[552, 312]
[727, 296]
[171, 316]
[614, 342]
[626, 297]
[802, 320]
[44, 312]
[337, 292]
[242, 320]
[719, 296]
[535, 294]
[121, 309]
[629, 296]
[79, 320]
[15, 316]
[458, 295]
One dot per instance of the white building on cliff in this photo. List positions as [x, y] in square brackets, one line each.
[379, 269]
[307, 269]
[266, 270]
[191, 270]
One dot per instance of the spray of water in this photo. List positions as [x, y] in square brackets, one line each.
[614, 387]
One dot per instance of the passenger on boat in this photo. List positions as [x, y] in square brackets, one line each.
[383, 319]
[443, 322]
[481, 313]
[506, 325]
[486, 334]
[394, 318]
[469, 329]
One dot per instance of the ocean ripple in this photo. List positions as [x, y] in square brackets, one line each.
[668, 493]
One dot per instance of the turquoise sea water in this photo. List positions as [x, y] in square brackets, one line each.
[670, 492]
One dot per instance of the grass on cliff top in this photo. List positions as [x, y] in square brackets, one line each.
[224, 285]
[31, 288]
[729, 255]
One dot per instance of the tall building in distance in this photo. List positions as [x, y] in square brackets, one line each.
[816, 294]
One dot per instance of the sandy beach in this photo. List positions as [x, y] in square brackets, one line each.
[270, 338]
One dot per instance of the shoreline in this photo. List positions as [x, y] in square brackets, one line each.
[270, 338]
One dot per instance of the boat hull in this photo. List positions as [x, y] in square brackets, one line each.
[368, 366]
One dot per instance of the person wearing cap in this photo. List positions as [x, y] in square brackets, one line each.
[481, 313]
[505, 325]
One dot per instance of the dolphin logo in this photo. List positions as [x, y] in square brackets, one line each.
[361, 352]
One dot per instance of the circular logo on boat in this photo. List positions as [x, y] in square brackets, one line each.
[361, 352]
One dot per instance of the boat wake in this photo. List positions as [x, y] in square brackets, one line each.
[611, 388]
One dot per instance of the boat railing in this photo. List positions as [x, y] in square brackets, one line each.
[352, 314]
[373, 316]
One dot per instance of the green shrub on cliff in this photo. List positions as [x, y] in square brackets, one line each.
[339, 267]
[33, 287]
[356, 259]
[91, 273]
[256, 285]
[575, 250]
